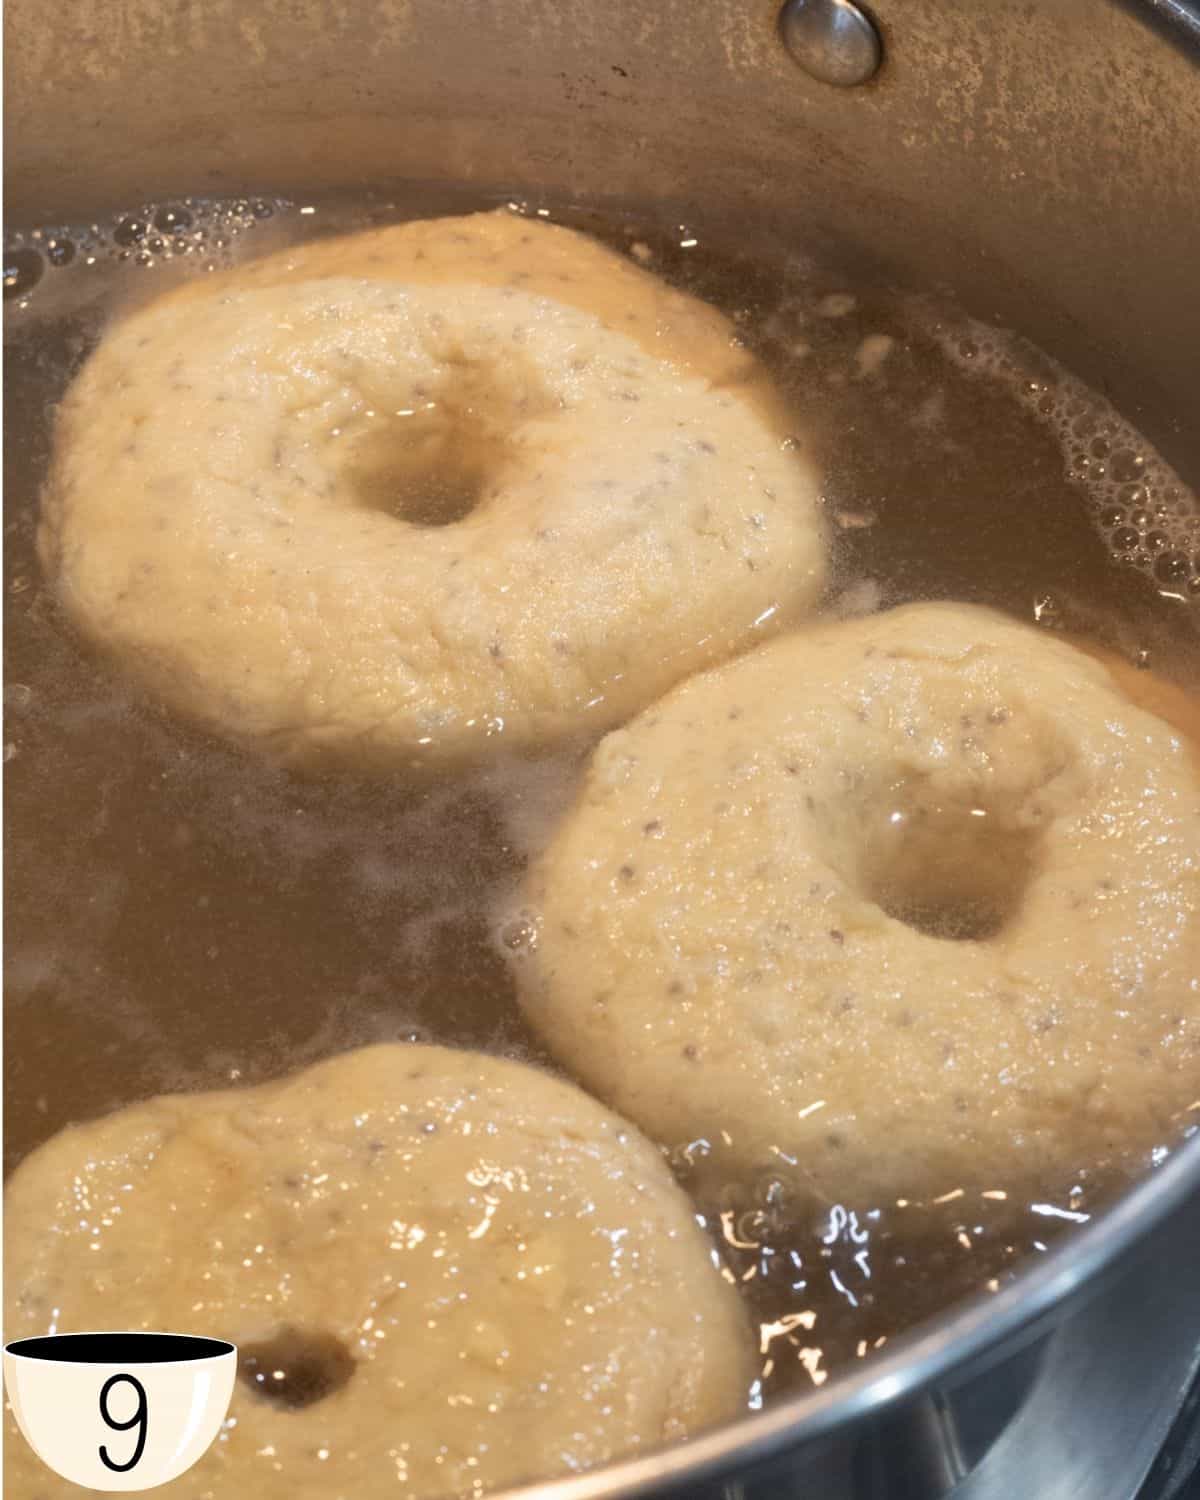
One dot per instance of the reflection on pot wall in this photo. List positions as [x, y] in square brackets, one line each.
[1044, 162]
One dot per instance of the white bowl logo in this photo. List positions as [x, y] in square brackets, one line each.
[119, 1411]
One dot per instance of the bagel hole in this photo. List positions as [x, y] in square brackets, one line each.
[297, 1367]
[433, 461]
[955, 870]
[420, 474]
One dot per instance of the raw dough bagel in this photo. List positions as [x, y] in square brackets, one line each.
[425, 492]
[897, 903]
[503, 1275]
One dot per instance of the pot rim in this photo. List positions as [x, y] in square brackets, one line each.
[981, 1323]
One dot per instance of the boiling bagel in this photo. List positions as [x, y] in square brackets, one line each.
[425, 491]
[445, 1273]
[891, 904]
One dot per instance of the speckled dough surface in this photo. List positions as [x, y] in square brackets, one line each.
[893, 904]
[409, 495]
[522, 1286]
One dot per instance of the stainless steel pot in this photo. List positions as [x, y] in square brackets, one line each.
[1043, 161]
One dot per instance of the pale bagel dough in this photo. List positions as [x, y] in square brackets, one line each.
[250, 476]
[711, 947]
[521, 1285]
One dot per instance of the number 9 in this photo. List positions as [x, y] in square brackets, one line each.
[138, 1420]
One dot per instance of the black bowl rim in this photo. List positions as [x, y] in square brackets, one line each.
[123, 1347]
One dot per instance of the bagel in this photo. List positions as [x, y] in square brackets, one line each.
[425, 493]
[467, 1272]
[888, 905]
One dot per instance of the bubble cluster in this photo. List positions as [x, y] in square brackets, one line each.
[1146, 516]
[202, 229]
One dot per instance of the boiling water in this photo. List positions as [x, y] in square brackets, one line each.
[180, 915]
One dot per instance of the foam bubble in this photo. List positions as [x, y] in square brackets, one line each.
[1145, 514]
[23, 269]
[51, 269]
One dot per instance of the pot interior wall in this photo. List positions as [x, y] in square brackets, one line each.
[1041, 161]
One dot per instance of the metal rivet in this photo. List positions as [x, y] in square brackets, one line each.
[834, 41]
